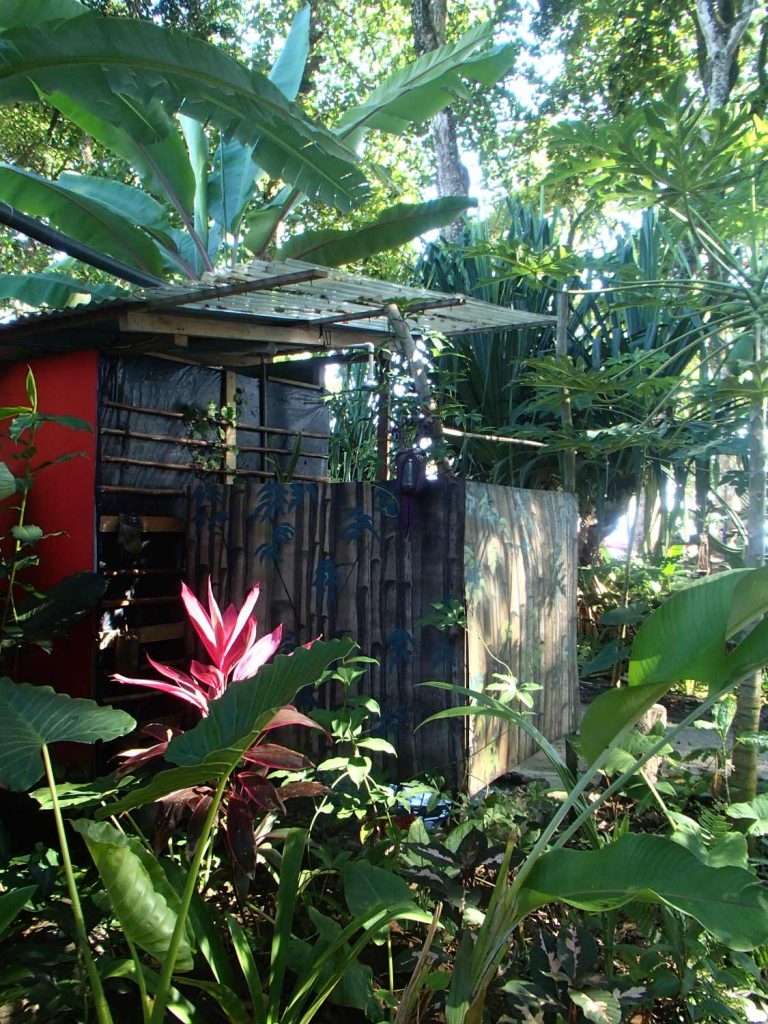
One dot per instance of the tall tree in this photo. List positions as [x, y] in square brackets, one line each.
[452, 179]
[722, 24]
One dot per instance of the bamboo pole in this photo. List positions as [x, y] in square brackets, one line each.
[179, 467]
[254, 428]
[114, 573]
[236, 553]
[156, 492]
[383, 425]
[453, 432]
[193, 442]
[229, 396]
[568, 458]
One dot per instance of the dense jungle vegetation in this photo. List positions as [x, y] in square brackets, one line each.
[599, 161]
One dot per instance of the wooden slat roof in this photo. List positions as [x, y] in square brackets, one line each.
[300, 304]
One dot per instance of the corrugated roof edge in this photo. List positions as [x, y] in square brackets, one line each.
[242, 292]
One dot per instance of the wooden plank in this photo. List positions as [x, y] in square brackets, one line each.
[367, 312]
[157, 634]
[133, 602]
[520, 581]
[214, 293]
[229, 395]
[157, 492]
[147, 524]
[242, 330]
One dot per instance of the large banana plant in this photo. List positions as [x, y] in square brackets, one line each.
[198, 131]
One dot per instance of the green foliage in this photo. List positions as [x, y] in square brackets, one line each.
[202, 180]
[52, 289]
[26, 615]
[238, 717]
[95, 224]
[626, 352]
[35, 716]
[424, 87]
[755, 812]
[112, 65]
[396, 226]
[332, 961]
[141, 898]
[728, 901]
[686, 638]
[12, 903]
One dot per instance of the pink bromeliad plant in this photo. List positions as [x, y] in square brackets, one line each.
[229, 639]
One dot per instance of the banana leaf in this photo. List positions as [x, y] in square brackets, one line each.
[102, 63]
[394, 227]
[422, 88]
[729, 902]
[82, 218]
[48, 288]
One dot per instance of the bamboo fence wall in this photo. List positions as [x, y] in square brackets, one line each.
[358, 560]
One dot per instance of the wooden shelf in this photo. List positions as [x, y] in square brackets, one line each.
[147, 524]
[156, 634]
[110, 574]
[132, 602]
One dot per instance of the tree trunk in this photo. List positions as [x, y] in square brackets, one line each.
[452, 178]
[749, 698]
[722, 24]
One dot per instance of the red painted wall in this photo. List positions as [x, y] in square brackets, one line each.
[62, 499]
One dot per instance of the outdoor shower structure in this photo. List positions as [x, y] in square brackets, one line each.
[465, 583]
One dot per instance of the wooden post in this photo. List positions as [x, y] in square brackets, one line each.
[230, 435]
[404, 338]
[566, 415]
[382, 425]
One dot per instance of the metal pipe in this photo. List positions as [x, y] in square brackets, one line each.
[64, 243]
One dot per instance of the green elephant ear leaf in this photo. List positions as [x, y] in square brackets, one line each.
[142, 898]
[37, 715]
[237, 718]
[366, 886]
[12, 903]
[728, 901]
[754, 811]
[598, 1005]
